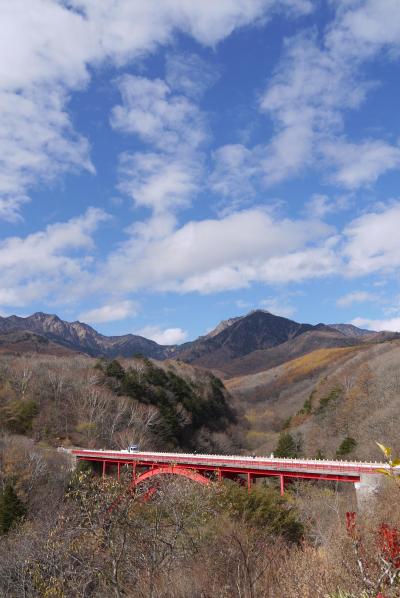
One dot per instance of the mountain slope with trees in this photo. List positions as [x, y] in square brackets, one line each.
[332, 401]
[80, 401]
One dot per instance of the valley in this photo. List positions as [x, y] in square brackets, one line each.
[319, 384]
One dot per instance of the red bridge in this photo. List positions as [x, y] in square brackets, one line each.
[206, 468]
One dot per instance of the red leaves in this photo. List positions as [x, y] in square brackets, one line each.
[351, 523]
[389, 543]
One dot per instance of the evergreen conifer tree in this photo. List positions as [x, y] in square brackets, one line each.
[11, 508]
[287, 446]
[346, 446]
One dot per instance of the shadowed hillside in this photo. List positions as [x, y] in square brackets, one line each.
[312, 340]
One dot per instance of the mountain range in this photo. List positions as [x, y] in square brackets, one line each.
[240, 345]
[77, 336]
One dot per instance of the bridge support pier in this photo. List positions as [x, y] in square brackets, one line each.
[133, 471]
[366, 488]
[282, 481]
[249, 481]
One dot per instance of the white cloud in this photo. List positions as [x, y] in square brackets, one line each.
[305, 99]
[10, 207]
[36, 44]
[372, 242]
[361, 163]
[241, 305]
[301, 265]
[161, 118]
[47, 49]
[278, 307]
[355, 297]
[168, 177]
[366, 27]
[392, 324]
[228, 253]
[157, 227]
[320, 206]
[316, 82]
[129, 28]
[169, 336]
[112, 312]
[189, 74]
[36, 141]
[50, 264]
[159, 181]
[236, 171]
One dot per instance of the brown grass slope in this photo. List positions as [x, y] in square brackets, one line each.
[324, 397]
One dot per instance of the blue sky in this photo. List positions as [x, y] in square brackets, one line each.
[165, 165]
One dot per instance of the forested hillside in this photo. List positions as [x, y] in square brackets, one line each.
[81, 401]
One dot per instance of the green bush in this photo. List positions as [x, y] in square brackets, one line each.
[115, 370]
[17, 416]
[332, 395]
[262, 507]
[307, 407]
[346, 446]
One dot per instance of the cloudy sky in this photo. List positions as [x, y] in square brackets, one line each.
[165, 164]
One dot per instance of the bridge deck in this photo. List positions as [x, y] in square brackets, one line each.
[261, 465]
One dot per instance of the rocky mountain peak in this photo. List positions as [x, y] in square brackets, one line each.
[222, 326]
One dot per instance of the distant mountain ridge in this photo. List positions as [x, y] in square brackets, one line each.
[82, 337]
[351, 330]
[242, 344]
